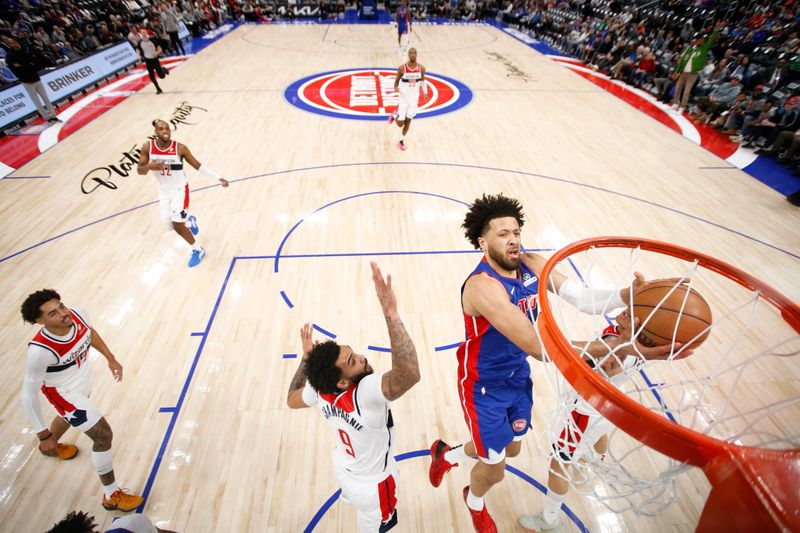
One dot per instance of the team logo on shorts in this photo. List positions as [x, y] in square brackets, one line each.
[368, 94]
[519, 424]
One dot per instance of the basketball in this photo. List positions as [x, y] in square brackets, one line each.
[672, 318]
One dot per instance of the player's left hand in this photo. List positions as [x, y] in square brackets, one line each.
[116, 369]
[224, 182]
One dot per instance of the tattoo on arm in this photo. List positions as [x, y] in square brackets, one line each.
[405, 367]
[299, 379]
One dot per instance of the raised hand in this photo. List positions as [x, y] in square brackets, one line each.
[383, 288]
[305, 337]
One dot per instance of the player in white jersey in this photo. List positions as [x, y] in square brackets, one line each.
[408, 82]
[80, 522]
[355, 402]
[58, 365]
[164, 158]
[584, 429]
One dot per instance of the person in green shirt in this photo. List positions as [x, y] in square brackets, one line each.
[690, 63]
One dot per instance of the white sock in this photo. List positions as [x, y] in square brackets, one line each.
[196, 246]
[456, 455]
[403, 139]
[473, 502]
[552, 506]
[109, 490]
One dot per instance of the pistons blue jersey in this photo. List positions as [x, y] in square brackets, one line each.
[402, 20]
[487, 355]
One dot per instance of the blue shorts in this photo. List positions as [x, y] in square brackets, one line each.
[401, 29]
[497, 412]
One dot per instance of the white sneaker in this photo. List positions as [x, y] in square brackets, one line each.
[537, 523]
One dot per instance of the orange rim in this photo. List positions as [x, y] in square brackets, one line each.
[680, 443]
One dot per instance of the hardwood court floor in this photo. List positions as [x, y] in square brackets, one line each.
[234, 458]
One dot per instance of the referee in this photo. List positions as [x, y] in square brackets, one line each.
[150, 53]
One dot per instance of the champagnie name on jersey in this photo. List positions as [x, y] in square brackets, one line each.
[368, 94]
[332, 410]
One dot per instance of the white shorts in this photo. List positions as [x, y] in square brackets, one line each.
[175, 208]
[579, 435]
[375, 501]
[74, 406]
[409, 102]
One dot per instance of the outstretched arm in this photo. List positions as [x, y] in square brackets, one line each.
[184, 153]
[99, 344]
[405, 367]
[295, 396]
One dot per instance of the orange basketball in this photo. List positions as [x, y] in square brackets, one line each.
[691, 317]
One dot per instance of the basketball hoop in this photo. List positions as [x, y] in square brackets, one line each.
[754, 472]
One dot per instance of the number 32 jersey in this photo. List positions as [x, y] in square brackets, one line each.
[171, 178]
[363, 427]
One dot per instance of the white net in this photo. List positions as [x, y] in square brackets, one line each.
[742, 385]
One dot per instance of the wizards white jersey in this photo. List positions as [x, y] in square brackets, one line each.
[67, 356]
[409, 81]
[171, 178]
[363, 427]
[628, 365]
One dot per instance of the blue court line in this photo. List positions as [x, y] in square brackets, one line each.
[290, 356]
[340, 200]
[426, 453]
[654, 390]
[177, 410]
[420, 163]
[287, 300]
[447, 347]
[324, 331]
[196, 334]
[379, 349]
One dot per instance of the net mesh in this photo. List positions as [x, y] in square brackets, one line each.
[741, 386]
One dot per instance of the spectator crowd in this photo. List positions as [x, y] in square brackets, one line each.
[732, 65]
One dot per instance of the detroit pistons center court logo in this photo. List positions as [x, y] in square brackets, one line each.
[368, 94]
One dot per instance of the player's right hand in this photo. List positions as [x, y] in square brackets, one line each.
[305, 337]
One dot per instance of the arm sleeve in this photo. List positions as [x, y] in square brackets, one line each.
[208, 172]
[310, 396]
[590, 300]
[370, 391]
[36, 365]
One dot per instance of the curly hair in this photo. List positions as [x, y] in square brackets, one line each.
[30, 308]
[486, 208]
[321, 369]
[75, 522]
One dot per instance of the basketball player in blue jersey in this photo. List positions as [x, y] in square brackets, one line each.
[402, 18]
[499, 301]
[164, 157]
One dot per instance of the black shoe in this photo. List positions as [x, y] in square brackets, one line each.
[159, 91]
[766, 151]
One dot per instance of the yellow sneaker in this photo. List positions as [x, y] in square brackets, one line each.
[121, 501]
[67, 451]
